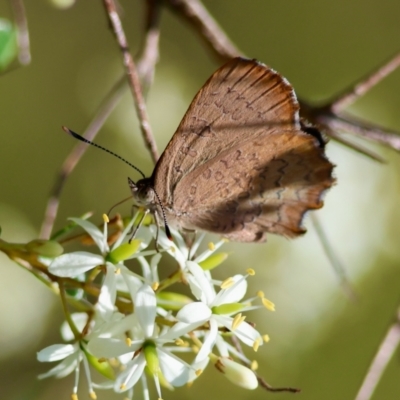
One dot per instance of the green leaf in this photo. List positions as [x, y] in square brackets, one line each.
[8, 43]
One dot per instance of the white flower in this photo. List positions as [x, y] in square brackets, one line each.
[218, 310]
[70, 355]
[146, 348]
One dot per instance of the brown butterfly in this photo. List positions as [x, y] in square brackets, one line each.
[241, 162]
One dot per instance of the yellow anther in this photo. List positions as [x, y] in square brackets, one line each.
[105, 218]
[74, 396]
[256, 344]
[198, 372]
[268, 304]
[227, 283]
[211, 246]
[155, 285]
[92, 395]
[251, 271]
[128, 342]
[237, 320]
[260, 294]
[195, 349]
[254, 365]
[266, 338]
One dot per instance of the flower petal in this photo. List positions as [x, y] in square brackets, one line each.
[145, 309]
[194, 312]
[232, 294]
[56, 352]
[201, 281]
[64, 368]
[209, 342]
[129, 377]
[108, 347]
[105, 304]
[174, 370]
[95, 233]
[71, 265]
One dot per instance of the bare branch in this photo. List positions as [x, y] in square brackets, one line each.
[21, 22]
[133, 78]
[350, 95]
[198, 16]
[385, 353]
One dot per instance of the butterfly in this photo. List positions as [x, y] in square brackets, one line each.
[241, 162]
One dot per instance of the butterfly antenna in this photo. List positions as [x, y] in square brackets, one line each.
[167, 231]
[82, 139]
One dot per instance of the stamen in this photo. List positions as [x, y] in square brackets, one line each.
[251, 271]
[254, 365]
[227, 283]
[256, 344]
[237, 320]
[268, 304]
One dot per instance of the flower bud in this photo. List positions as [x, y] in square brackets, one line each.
[237, 373]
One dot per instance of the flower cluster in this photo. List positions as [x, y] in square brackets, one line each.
[130, 326]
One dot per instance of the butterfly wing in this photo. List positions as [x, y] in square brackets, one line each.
[239, 163]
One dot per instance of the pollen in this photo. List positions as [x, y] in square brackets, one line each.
[106, 219]
[195, 349]
[211, 246]
[260, 294]
[251, 271]
[266, 338]
[268, 304]
[256, 344]
[92, 395]
[254, 365]
[117, 271]
[128, 342]
[227, 283]
[155, 285]
[123, 386]
[237, 320]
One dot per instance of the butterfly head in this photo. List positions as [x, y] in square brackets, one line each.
[143, 192]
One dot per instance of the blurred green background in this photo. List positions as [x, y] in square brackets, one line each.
[321, 341]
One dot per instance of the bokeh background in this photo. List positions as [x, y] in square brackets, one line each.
[321, 341]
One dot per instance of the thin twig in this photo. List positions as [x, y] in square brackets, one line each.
[350, 95]
[333, 258]
[213, 35]
[146, 67]
[21, 22]
[365, 130]
[133, 78]
[338, 137]
[383, 356]
[148, 57]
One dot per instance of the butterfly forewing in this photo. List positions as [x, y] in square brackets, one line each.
[239, 164]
